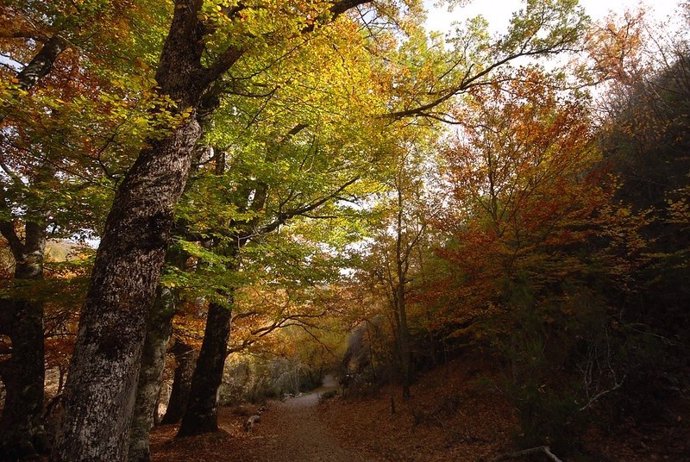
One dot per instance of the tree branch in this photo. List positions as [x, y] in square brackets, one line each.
[468, 81]
[526, 452]
[223, 62]
[342, 6]
[42, 63]
[284, 216]
[16, 245]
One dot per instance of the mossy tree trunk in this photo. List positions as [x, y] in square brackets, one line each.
[100, 392]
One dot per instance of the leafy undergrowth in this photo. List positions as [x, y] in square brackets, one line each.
[213, 447]
[455, 413]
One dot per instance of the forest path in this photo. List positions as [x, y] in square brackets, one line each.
[289, 431]
[292, 431]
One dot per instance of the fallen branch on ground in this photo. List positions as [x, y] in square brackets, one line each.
[526, 452]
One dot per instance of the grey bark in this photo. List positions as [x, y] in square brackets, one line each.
[101, 385]
[158, 330]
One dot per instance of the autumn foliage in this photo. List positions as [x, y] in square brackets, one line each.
[212, 202]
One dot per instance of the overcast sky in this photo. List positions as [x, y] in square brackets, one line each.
[498, 12]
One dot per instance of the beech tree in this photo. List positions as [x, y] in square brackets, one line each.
[523, 178]
[285, 114]
[299, 173]
[203, 43]
[50, 168]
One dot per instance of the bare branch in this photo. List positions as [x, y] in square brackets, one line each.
[526, 452]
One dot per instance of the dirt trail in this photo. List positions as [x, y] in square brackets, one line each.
[290, 431]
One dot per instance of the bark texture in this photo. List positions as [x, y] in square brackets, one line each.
[158, 330]
[186, 358]
[101, 385]
[201, 414]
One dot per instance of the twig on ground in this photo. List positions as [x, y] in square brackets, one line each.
[526, 452]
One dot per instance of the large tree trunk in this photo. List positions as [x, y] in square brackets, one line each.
[158, 330]
[201, 415]
[22, 433]
[186, 358]
[101, 385]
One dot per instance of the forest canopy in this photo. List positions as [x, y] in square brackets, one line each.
[212, 202]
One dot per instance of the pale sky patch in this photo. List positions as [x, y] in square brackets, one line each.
[498, 12]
